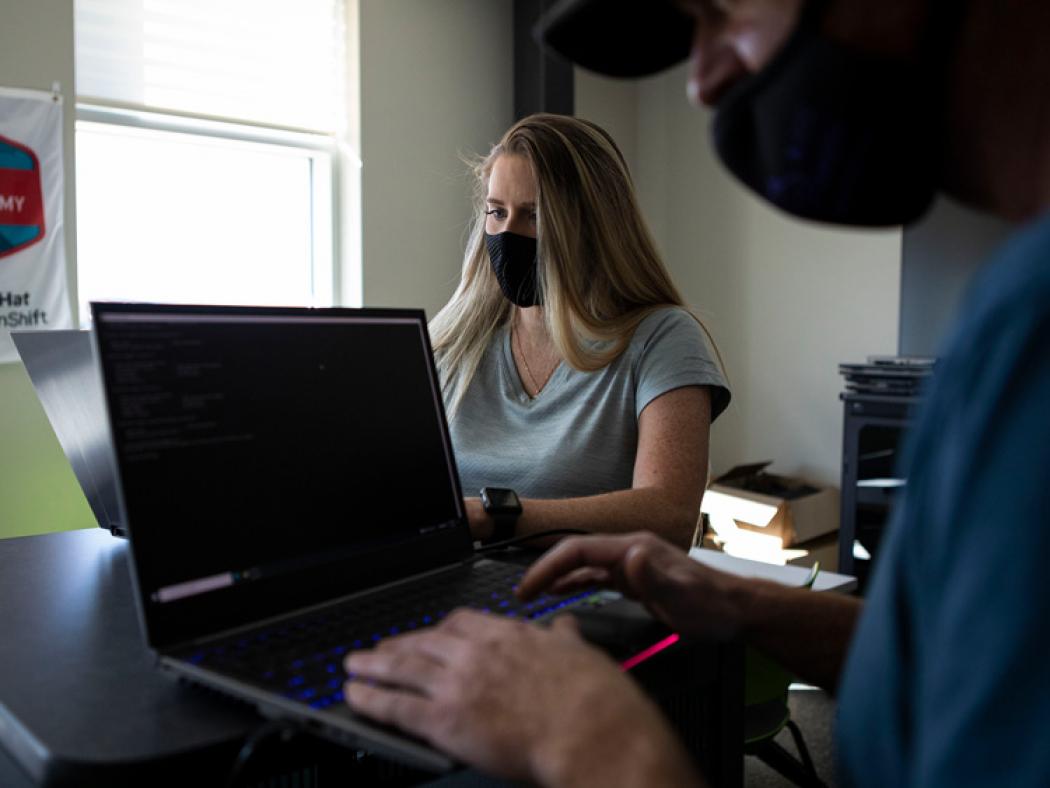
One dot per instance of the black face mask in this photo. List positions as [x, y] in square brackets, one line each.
[514, 262]
[830, 133]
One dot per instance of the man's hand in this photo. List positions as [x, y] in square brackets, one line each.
[808, 633]
[518, 702]
[684, 594]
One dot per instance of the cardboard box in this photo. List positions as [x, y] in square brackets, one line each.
[789, 510]
[824, 549]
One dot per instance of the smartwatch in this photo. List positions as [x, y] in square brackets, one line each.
[504, 507]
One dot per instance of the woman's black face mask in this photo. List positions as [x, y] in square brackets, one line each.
[514, 262]
[837, 135]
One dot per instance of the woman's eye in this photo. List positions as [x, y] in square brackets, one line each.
[498, 213]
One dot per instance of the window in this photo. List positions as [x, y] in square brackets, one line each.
[206, 139]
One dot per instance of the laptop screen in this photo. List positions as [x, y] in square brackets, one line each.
[61, 366]
[273, 458]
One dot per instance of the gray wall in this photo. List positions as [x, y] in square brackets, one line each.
[435, 82]
[786, 301]
[940, 256]
[613, 105]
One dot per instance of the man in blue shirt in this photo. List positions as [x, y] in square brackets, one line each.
[853, 113]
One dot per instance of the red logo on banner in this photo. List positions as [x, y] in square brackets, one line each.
[21, 197]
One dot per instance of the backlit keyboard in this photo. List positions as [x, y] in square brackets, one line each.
[302, 659]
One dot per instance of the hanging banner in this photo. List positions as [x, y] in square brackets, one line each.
[33, 291]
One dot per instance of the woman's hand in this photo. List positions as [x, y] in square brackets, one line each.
[518, 702]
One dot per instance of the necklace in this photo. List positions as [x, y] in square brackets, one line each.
[537, 386]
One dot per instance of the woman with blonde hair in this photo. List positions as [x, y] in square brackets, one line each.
[580, 391]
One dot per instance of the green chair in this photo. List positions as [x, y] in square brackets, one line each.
[766, 713]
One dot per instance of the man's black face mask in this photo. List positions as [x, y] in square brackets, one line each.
[514, 263]
[837, 135]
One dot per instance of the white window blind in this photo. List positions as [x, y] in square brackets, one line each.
[273, 62]
[207, 150]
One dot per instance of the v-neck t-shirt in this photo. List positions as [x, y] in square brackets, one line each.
[579, 435]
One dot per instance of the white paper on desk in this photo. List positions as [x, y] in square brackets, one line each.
[785, 575]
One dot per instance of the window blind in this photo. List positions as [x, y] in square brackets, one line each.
[274, 62]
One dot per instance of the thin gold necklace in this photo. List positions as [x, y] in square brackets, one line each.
[528, 370]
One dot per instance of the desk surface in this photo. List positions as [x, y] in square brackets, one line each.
[77, 685]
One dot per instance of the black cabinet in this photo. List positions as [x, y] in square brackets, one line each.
[872, 436]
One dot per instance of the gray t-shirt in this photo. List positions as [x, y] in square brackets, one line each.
[579, 436]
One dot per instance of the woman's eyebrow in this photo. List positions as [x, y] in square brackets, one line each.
[497, 201]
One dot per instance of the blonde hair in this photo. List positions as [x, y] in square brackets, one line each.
[599, 274]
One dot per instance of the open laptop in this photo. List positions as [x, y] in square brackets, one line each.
[61, 367]
[291, 494]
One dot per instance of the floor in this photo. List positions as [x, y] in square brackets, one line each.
[813, 711]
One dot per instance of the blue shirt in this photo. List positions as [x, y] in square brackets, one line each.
[579, 435]
[947, 680]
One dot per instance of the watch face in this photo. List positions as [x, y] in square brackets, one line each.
[500, 499]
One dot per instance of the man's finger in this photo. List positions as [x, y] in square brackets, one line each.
[397, 667]
[572, 554]
[566, 624]
[473, 626]
[435, 642]
[579, 579]
[396, 707]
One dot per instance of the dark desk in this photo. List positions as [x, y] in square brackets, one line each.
[80, 699]
[81, 702]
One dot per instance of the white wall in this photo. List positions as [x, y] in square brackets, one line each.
[436, 81]
[786, 301]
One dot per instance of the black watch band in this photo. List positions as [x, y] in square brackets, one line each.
[504, 527]
[504, 507]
